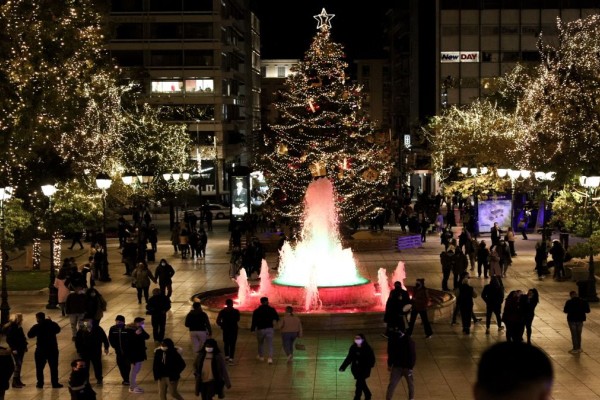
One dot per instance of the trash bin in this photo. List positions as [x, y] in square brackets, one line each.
[582, 287]
[564, 239]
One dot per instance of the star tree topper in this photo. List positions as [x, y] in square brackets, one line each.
[324, 20]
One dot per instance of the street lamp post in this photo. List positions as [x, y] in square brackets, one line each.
[49, 190]
[103, 182]
[591, 183]
[475, 172]
[5, 194]
[175, 178]
[513, 175]
[544, 177]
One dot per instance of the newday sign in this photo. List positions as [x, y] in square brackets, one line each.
[459, 56]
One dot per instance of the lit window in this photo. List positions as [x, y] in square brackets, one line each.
[199, 86]
[167, 86]
[281, 72]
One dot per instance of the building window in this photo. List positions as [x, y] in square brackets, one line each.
[199, 86]
[128, 58]
[165, 6]
[263, 72]
[198, 5]
[490, 83]
[128, 31]
[530, 56]
[198, 31]
[199, 58]
[469, 82]
[281, 72]
[510, 56]
[167, 86]
[166, 31]
[165, 58]
[127, 6]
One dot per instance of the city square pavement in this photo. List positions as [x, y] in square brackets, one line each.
[446, 363]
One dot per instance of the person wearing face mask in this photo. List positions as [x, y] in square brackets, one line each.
[118, 338]
[167, 368]
[79, 385]
[88, 342]
[210, 371]
[136, 351]
[95, 305]
[361, 360]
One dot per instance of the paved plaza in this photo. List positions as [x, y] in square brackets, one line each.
[446, 363]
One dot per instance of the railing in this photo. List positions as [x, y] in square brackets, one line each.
[409, 242]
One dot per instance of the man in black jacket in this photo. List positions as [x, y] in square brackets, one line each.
[118, 338]
[262, 322]
[199, 325]
[576, 308]
[401, 361]
[158, 305]
[136, 351]
[228, 319]
[88, 342]
[46, 350]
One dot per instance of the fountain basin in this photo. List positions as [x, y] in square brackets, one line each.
[340, 317]
[347, 297]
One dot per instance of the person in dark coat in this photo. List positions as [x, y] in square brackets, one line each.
[199, 325]
[153, 237]
[512, 317]
[88, 342]
[46, 351]
[210, 371]
[16, 340]
[402, 357]
[361, 360]
[496, 233]
[483, 259]
[167, 368]
[136, 351]
[164, 275]
[95, 305]
[79, 385]
[420, 301]
[202, 241]
[263, 318]
[228, 319]
[493, 296]
[7, 367]
[558, 257]
[118, 337]
[464, 301]
[129, 254]
[530, 302]
[158, 306]
[395, 314]
[576, 308]
[541, 259]
[447, 260]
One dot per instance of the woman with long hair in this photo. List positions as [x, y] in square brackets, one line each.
[361, 360]
[533, 298]
[142, 277]
[210, 371]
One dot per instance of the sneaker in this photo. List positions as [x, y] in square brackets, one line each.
[39, 385]
[270, 360]
[260, 358]
[487, 331]
[125, 383]
[57, 386]
[428, 336]
[136, 389]
[500, 328]
[231, 362]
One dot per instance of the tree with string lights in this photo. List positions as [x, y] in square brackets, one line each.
[323, 130]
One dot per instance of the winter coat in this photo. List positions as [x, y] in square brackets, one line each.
[7, 367]
[15, 337]
[89, 343]
[45, 332]
[168, 363]
[158, 305]
[420, 298]
[142, 278]
[361, 361]
[95, 306]
[219, 372]
[63, 290]
[164, 273]
[118, 337]
[136, 344]
[466, 294]
[228, 318]
[495, 268]
[401, 351]
[576, 308]
[492, 295]
[76, 303]
[197, 320]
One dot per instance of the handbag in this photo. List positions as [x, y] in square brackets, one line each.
[299, 346]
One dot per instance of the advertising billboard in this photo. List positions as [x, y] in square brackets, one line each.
[492, 209]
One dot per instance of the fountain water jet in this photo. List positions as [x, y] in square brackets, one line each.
[400, 274]
[384, 286]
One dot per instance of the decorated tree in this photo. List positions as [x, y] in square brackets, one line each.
[560, 110]
[324, 131]
[60, 105]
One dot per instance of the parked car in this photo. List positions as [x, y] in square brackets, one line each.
[219, 211]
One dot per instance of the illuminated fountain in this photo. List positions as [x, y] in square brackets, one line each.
[319, 276]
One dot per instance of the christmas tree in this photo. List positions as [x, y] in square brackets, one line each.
[324, 131]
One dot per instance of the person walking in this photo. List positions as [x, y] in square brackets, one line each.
[16, 340]
[291, 329]
[75, 307]
[89, 342]
[493, 296]
[361, 360]
[7, 367]
[395, 314]
[157, 307]
[136, 351]
[420, 301]
[541, 259]
[402, 356]
[495, 233]
[202, 241]
[129, 253]
[512, 317]
[447, 261]
[263, 318]
[95, 305]
[228, 319]
[141, 278]
[46, 350]
[510, 239]
[63, 290]
[211, 372]
[167, 368]
[199, 325]
[79, 385]
[576, 308]
[483, 259]
[464, 301]
[558, 257]
[532, 300]
[118, 337]
[164, 275]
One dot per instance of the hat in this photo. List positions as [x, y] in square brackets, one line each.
[120, 318]
[138, 319]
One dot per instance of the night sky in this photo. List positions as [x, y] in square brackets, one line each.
[288, 26]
